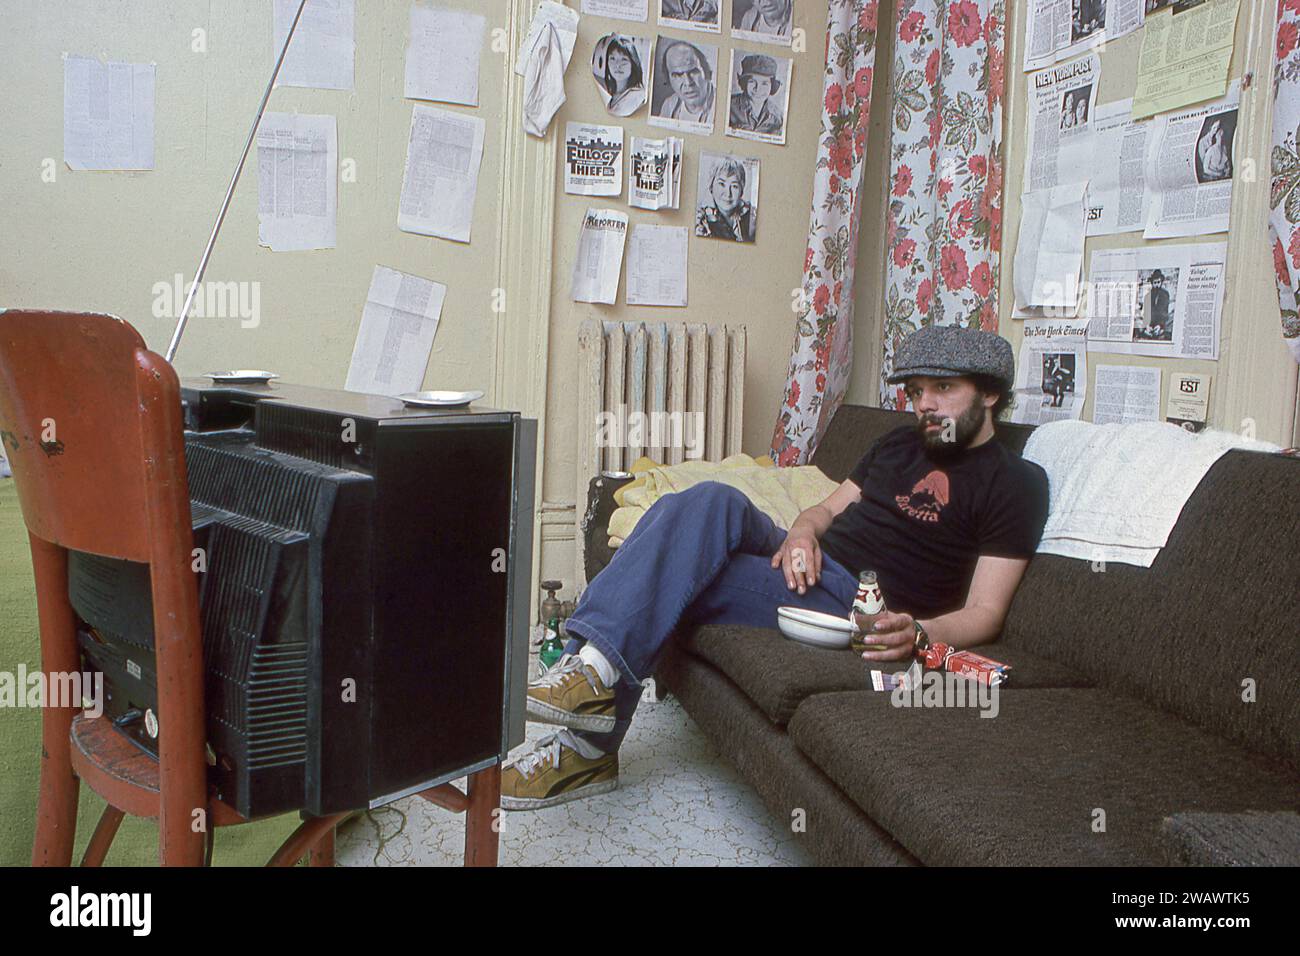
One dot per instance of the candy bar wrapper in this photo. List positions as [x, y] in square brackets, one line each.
[977, 667]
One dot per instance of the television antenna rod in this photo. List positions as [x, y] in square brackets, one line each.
[230, 191]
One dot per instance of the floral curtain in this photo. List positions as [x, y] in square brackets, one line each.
[944, 225]
[1284, 197]
[822, 356]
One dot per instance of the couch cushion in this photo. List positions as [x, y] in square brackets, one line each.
[1219, 606]
[955, 788]
[1233, 839]
[833, 827]
[777, 673]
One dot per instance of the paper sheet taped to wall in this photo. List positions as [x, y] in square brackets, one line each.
[599, 261]
[442, 164]
[1126, 393]
[443, 56]
[1049, 250]
[398, 324]
[297, 181]
[108, 113]
[1052, 373]
[656, 266]
[1190, 169]
[1062, 101]
[1057, 30]
[565, 19]
[1185, 57]
[1164, 300]
[1118, 198]
[323, 52]
[619, 9]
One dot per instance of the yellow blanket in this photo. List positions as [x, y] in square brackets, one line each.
[780, 493]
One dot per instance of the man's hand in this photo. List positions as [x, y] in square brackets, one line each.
[800, 558]
[896, 632]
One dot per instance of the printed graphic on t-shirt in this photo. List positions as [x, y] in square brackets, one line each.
[928, 497]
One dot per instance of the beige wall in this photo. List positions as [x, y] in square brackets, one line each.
[101, 240]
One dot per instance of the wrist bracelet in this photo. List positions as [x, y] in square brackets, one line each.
[922, 638]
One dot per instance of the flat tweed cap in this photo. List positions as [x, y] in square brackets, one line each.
[946, 350]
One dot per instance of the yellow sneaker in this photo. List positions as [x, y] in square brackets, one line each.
[572, 694]
[554, 771]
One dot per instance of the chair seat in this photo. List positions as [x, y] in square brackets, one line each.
[126, 776]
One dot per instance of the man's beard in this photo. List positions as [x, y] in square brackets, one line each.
[951, 442]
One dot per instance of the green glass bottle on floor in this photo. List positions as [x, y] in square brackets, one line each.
[552, 648]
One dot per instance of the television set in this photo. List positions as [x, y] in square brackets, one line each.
[364, 584]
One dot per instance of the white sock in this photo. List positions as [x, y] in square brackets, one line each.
[590, 655]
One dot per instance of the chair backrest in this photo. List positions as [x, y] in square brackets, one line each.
[87, 421]
[91, 421]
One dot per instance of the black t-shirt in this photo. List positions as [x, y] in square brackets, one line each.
[923, 522]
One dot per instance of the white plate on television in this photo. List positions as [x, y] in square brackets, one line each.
[439, 399]
[241, 376]
[814, 628]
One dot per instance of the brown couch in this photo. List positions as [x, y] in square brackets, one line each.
[1123, 736]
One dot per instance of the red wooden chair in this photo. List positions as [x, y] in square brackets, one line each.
[91, 422]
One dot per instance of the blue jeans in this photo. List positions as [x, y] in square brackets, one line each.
[700, 556]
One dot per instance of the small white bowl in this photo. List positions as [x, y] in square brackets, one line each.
[814, 628]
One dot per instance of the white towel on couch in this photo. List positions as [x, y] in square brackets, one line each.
[1117, 490]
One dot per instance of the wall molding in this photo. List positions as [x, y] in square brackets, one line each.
[1252, 353]
[526, 209]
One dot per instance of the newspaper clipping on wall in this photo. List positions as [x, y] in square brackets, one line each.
[1190, 170]
[655, 173]
[1052, 374]
[1118, 199]
[1062, 100]
[1160, 300]
[599, 261]
[1056, 30]
[1185, 56]
[1125, 393]
[593, 159]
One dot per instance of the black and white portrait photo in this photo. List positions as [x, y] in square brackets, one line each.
[1087, 17]
[1074, 108]
[765, 21]
[1154, 321]
[621, 66]
[685, 88]
[703, 15]
[726, 205]
[760, 96]
[1058, 377]
[1214, 147]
